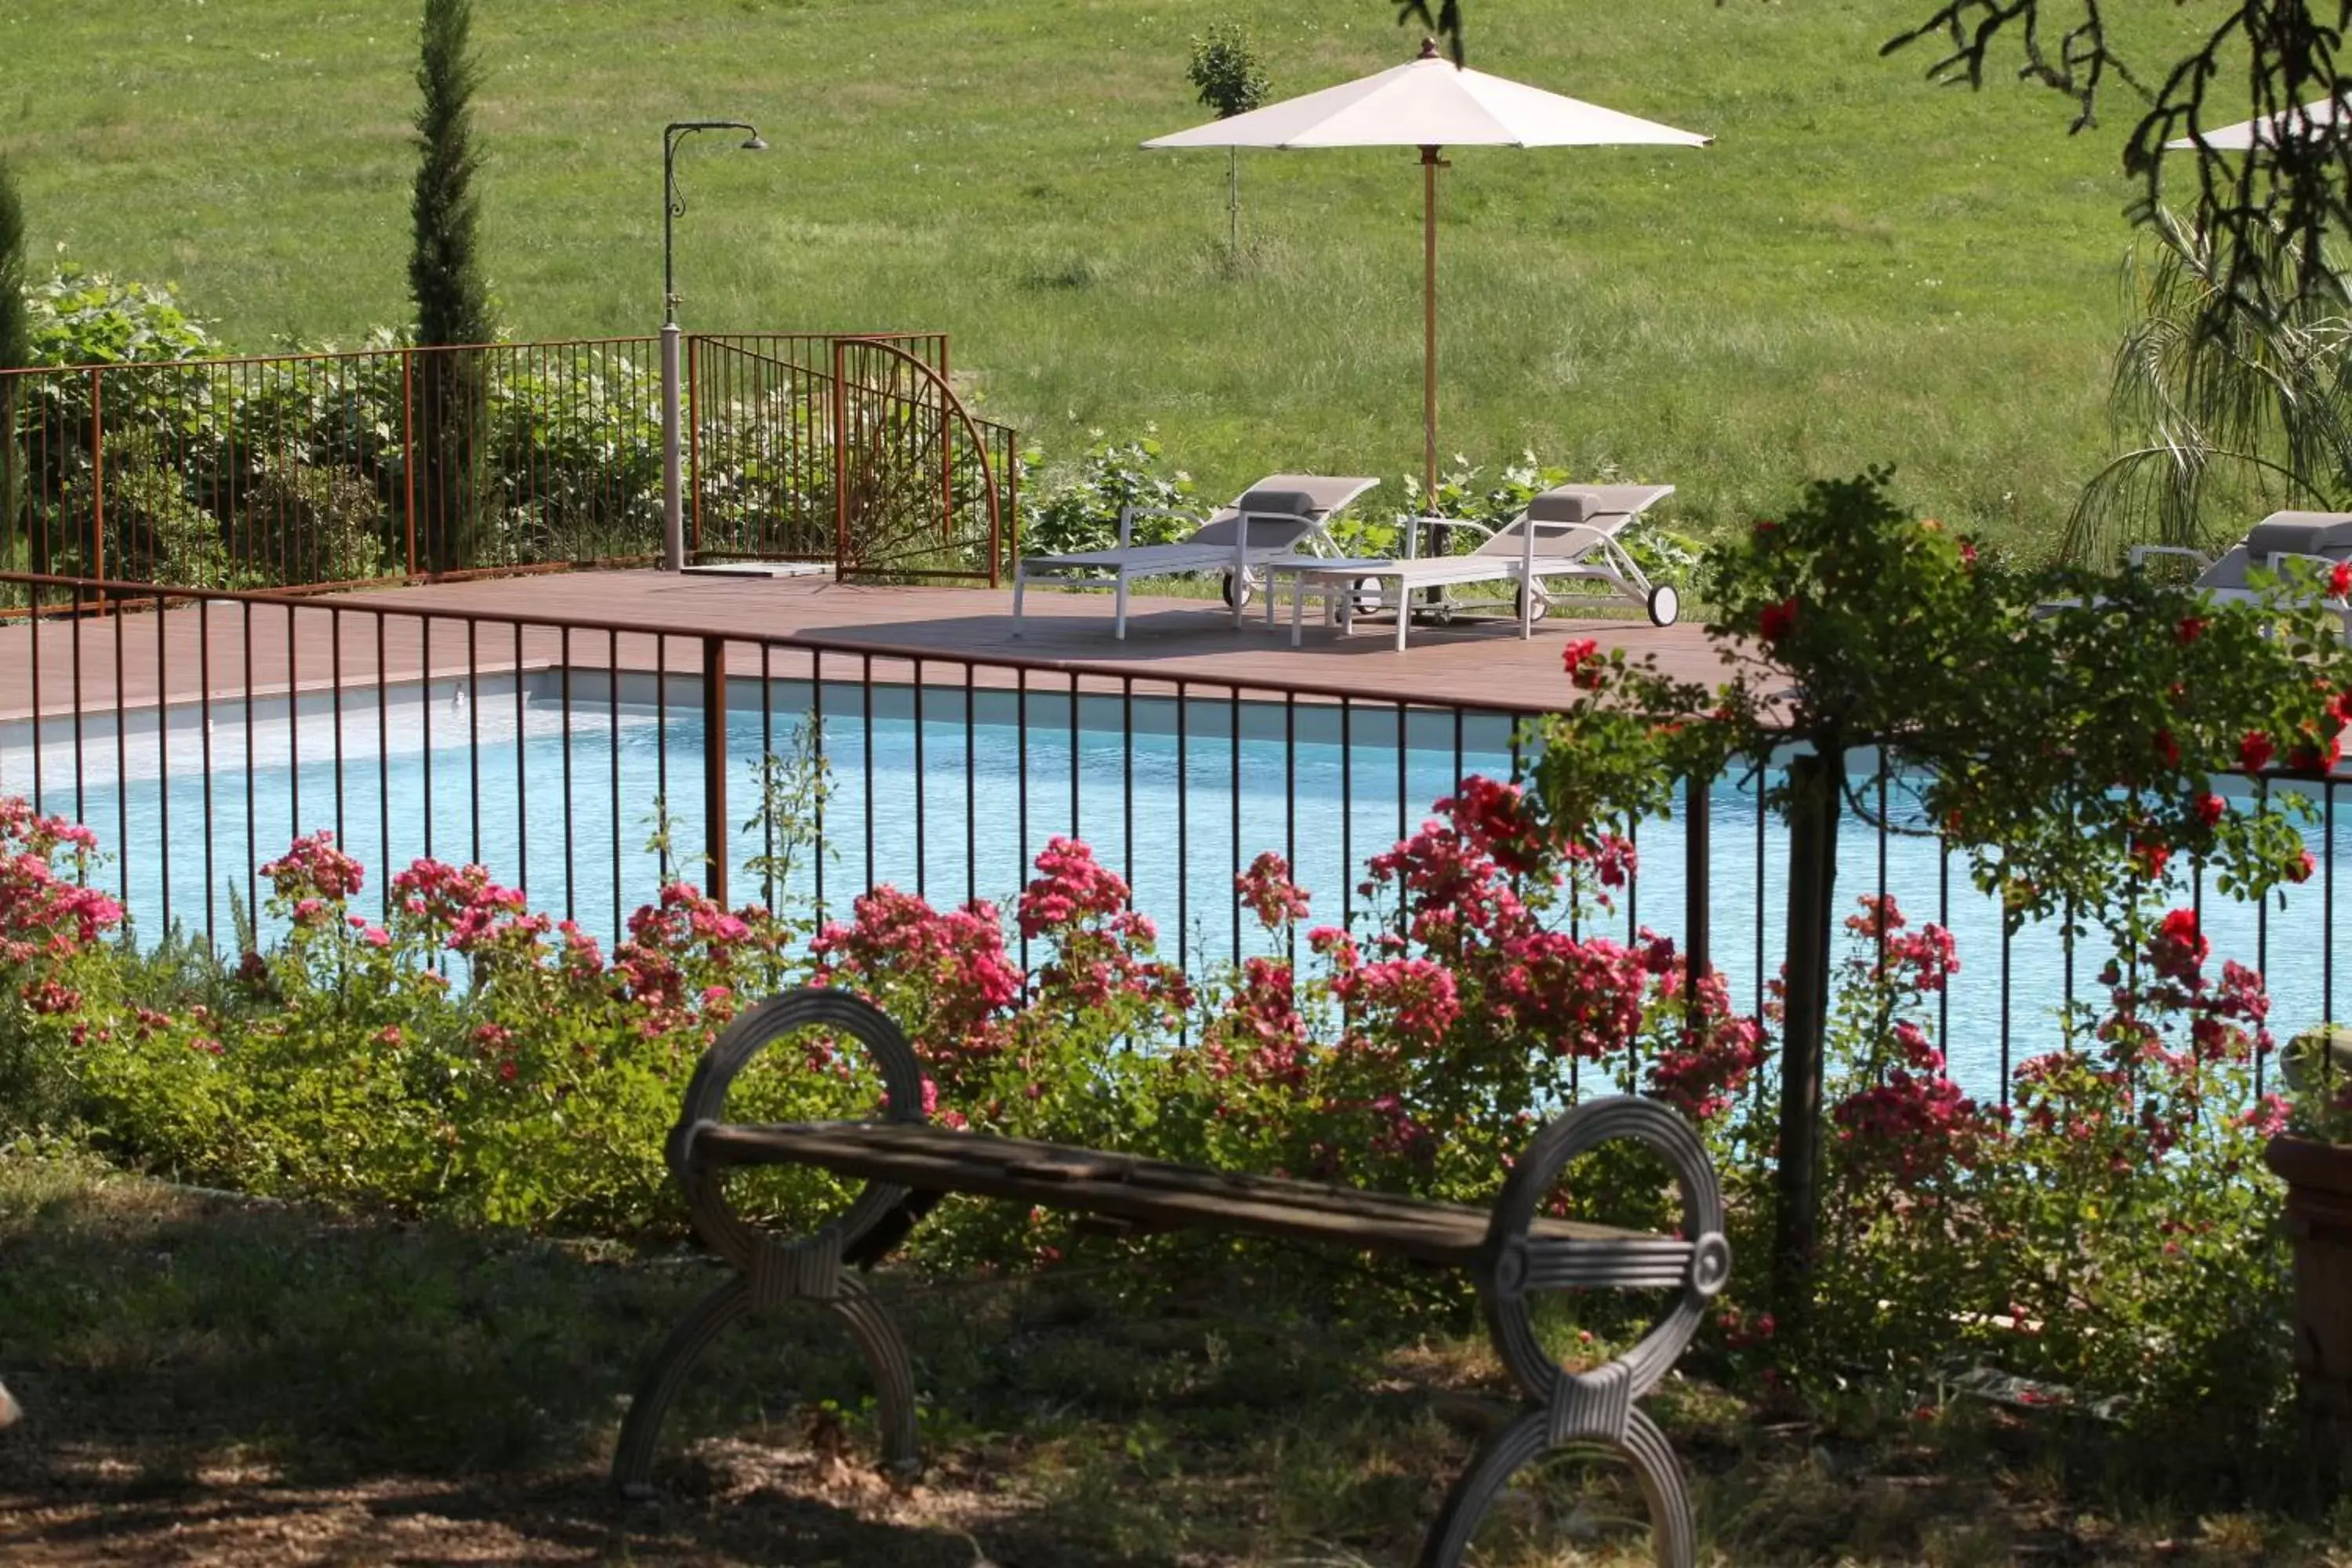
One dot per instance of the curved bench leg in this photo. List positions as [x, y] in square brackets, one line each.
[632, 1457]
[1674, 1540]
[878, 1339]
[894, 1377]
[1504, 1450]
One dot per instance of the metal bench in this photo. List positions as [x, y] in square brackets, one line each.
[1508, 1251]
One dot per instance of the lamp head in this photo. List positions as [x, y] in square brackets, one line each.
[754, 145]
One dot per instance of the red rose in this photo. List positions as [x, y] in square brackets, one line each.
[2191, 628]
[2153, 855]
[1968, 553]
[2340, 582]
[2304, 869]
[2210, 809]
[1778, 621]
[1581, 660]
[2309, 756]
[2168, 748]
[2254, 751]
[2180, 926]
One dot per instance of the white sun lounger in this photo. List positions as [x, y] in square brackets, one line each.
[2323, 539]
[1569, 533]
[1282, 513]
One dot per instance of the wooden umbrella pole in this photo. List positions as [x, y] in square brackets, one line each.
[1429, 164]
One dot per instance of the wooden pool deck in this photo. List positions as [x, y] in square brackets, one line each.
[643, 620]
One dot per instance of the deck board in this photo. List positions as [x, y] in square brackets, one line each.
[647, 619]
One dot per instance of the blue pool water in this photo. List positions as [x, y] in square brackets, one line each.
[559, 798]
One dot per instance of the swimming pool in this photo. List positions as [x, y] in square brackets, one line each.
[551, 780]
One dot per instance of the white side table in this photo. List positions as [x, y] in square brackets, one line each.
[1324, 576]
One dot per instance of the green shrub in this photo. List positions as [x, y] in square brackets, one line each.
[308, 524]
[1077, 507]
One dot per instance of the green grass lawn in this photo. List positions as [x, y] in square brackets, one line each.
[1863, 269]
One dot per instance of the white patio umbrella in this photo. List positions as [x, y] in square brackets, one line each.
[1431, 103]
[2316, 121]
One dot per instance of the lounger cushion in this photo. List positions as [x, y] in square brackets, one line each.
[1560, 506]
[1282, 503]
[2300, 533]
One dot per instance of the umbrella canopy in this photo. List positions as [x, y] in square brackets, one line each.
[1430, 103]
[2315, 120]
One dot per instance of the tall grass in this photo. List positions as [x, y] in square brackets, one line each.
[1863, 268]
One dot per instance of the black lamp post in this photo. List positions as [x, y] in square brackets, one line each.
[673, 208]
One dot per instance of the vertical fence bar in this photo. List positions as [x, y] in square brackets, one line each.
[1021, 791]
[335, 701]
[97, 567]
[661, 752]
[294, 735]
[163, 766]
[563, 698]
[121, 762]
[922, 855]
[522, 770]
[473, 734]
[970, 793]
[382, 771]
[816, 739]
[425, 720]
[1698, 828]
[205, 749]
[766, 773]
[865, 693]
[1183, 824]
[612, 734]
[1347, 813]
[252, 856]
[408, 450]
[1234, 789]
[714, 763]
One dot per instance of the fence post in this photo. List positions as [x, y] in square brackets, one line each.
[673, 518]
[1813, 790]
[714, 766]
[1698, 840]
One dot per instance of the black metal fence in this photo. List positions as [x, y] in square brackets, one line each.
[586, 763]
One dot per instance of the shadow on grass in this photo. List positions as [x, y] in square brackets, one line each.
[208, 1379]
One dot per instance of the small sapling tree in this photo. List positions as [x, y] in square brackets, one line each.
[1233, 80]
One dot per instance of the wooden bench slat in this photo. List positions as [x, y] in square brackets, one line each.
[1158, 1193]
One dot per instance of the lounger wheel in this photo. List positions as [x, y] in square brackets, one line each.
[1248, 592]
[1665, 604]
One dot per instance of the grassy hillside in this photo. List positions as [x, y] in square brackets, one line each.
[1863, 269]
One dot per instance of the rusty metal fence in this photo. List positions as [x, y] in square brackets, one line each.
[399, 464]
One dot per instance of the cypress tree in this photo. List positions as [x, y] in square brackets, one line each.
[444, 281]
[15, 350]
